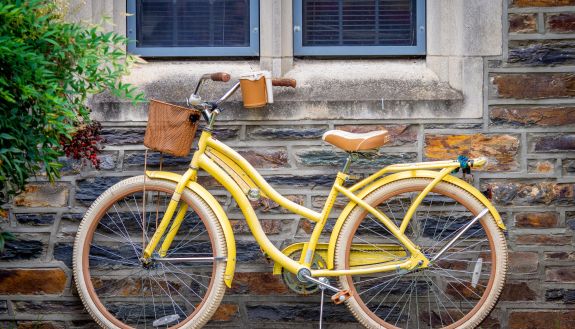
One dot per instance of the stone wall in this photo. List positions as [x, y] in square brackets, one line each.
[526, 131]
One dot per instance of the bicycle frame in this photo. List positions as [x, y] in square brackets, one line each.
[237, 176]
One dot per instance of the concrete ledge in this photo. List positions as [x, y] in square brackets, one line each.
[361, 89]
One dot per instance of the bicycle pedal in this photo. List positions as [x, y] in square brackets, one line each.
[341, 297]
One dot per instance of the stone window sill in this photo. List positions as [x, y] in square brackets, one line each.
[327, 89]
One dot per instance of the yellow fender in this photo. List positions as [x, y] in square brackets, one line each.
[220, 214]
[404, 175]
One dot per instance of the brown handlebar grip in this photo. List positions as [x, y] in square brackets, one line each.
[284, 83]
[220, 76]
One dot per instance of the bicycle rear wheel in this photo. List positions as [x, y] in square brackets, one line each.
[120, 290]
[458, 290]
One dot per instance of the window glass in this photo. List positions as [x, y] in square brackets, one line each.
[193, 27]
[336, 25]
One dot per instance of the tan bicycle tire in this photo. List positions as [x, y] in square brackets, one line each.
[216, 290]
[495, 236]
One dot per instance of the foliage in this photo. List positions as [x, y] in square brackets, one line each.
[85, 144]
[48, 68]
[5, 236]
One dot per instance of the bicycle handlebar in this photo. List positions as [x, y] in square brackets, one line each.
[284, 82]
[206, 107]
[220, 76]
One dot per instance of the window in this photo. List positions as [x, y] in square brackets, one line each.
[193, 27]
[359, 27]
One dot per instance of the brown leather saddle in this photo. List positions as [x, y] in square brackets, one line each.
[352, 142]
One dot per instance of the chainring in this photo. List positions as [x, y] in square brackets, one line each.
[291, 281]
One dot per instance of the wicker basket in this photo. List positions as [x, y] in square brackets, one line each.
[171, 129]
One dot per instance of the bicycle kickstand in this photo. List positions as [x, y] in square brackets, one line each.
[322, 288]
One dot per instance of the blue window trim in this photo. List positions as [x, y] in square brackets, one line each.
[252, 50]
[300, 50]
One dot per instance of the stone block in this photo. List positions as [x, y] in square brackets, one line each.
[532, 116]
[521, 262]
[537, 166]
[286, 132]
[123, 136]
[400, 134]
[32, 281]
[543, 239]
[269, 226]
[336, 159]
[529, 319]
[135, 161]
[568, 167]
[560, 256]
[532, 85]
[72, 217]
[22, 249]
[258, 283]
[501, 150]
[541, 3]
[536, 219]
[529, 194]
[71, 167]
[522, 23]
[43, 195]
[8, 324]
[296, 312]
[464, 28]
[560, 274]
[39, 219]
[517, 291]
[223, 132]
[552, 143]
[305, 181]
[566, 296]
[50, 307]
[318, 202]
[305, 227]
[560, 23]
[266, 158]
[540, 53]
[459, 126]
[268, 206]
[570, 219]
[439, 65]
[63, 252]
[472, 78]
[226, 312]
[249, 252]
[88, 189]
[41, 325]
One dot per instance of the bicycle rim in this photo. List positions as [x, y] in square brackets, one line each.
[457, 291]
[131, 294]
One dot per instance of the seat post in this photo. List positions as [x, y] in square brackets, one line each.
[347, 164]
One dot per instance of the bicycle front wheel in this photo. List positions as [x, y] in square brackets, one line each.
[458, 290]
[181, 290]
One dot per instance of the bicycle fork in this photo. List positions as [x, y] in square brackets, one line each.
[167, 218]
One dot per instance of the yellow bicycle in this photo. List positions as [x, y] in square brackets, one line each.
[415, 247]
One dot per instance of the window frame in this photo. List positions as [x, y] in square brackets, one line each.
[252, 50]
[359, 50]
